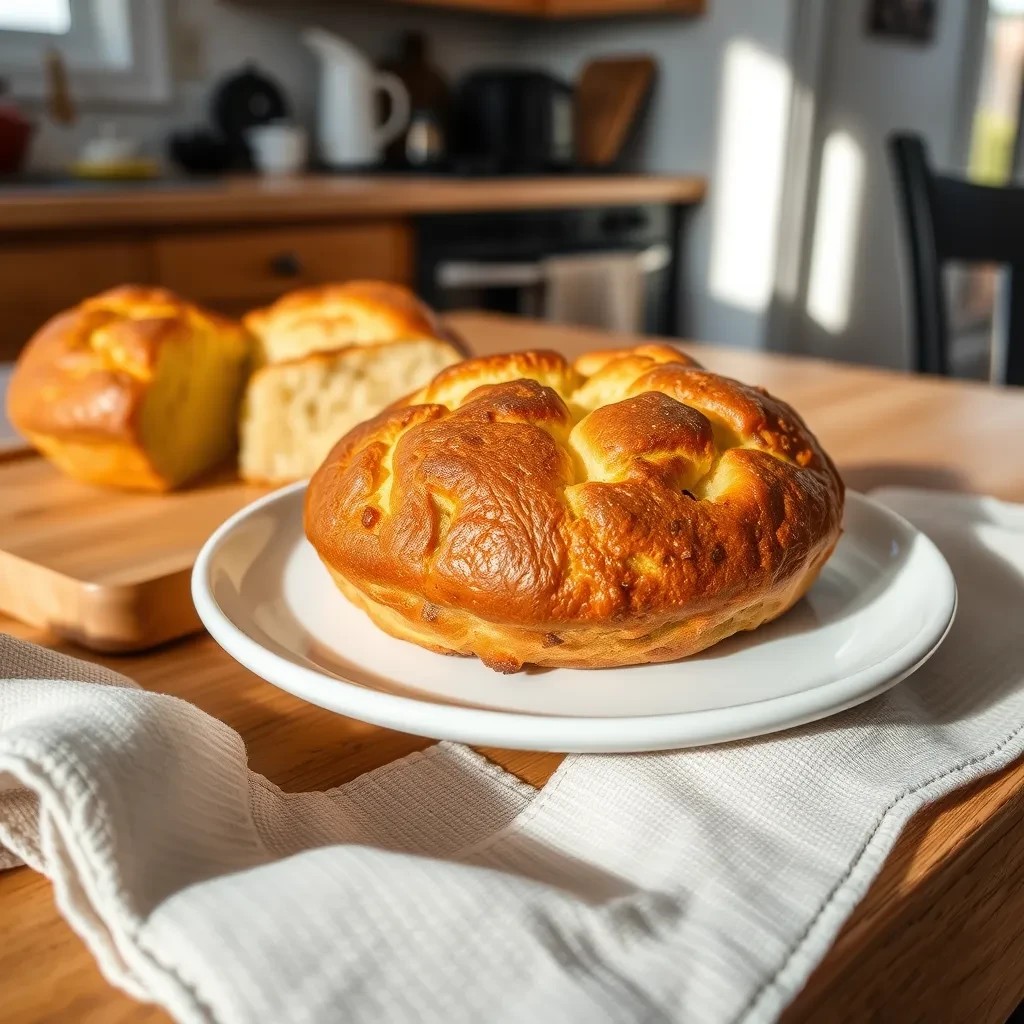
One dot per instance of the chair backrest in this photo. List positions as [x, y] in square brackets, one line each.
[950, 220]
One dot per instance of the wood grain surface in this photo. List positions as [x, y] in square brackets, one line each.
[250, 266]
[39, 278]
[108, 568]
[939, 936]
[610, 95]
[311, 197]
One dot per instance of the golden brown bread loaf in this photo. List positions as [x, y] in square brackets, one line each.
[629, 508]
[333, 316]
[332, 357]
[132, 388]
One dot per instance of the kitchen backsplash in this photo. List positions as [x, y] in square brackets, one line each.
[211, 38]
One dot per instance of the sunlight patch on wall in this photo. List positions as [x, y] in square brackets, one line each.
[747, 178]
[50, 16]
[836, 223]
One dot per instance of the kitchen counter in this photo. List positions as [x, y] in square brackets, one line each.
[64, 207]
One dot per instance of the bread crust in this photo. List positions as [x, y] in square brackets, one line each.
[629, 508]
[79, 386]
[334, 316]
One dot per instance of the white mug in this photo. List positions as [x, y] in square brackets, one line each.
[109, 147]
[277, 149]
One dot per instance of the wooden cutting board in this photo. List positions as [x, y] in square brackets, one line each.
[610, 94]
[107, 569]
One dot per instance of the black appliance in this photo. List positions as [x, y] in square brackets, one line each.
[241, 101]
[494, 260]
[513, 122]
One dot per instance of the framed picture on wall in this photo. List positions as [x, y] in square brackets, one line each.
[902, 19]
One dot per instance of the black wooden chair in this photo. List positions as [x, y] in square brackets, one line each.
[949, 220]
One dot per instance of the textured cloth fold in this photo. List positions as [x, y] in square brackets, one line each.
[699, 885]
[604, 290]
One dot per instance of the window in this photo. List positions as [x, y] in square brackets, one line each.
[994, 159]
[50, 16]
[998, 113]
[113, 49]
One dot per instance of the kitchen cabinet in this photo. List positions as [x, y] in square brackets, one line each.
[39, 278]
[571, 8]
[229, 269]
[234, 270]
[236, 244]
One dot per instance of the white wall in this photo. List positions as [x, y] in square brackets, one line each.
[870, 87]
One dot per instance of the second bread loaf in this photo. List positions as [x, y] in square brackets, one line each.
[332, 357]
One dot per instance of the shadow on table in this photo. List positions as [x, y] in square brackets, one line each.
[867, 476]
[991, 594]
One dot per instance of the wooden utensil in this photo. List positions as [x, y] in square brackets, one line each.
[60, 105]
[610, 94]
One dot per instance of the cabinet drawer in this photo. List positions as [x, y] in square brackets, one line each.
[54, 275]
[17, 324]
[225, 268]
[41, 279]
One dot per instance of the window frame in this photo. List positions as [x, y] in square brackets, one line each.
[144, 79]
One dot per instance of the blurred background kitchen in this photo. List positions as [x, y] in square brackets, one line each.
[712, 169]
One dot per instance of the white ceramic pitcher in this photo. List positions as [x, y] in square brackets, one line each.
[347, 130]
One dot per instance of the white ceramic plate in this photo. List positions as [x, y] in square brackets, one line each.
[10, 441]
[880, 608]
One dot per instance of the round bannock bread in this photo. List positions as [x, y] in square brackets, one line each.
[629, 508]
[133, 388]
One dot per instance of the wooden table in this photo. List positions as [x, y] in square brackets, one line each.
[940, 935]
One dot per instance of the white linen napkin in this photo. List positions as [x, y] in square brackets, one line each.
[700, 885]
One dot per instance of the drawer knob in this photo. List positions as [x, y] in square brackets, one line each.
[286, 264]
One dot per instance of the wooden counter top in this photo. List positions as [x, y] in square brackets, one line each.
[313, 197]
[939, 935]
